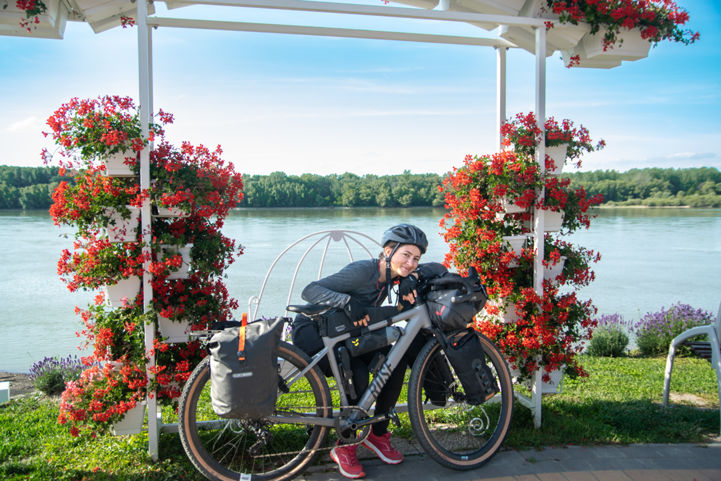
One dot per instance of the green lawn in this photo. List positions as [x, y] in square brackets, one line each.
[619, 403]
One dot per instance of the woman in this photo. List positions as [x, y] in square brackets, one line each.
[356, 287]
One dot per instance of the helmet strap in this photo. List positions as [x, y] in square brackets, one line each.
[388, 270]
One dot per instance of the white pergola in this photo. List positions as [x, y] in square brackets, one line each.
[504, 23]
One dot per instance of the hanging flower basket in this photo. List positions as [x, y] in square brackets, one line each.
[555, 385]
[490, 7]
[506, 311]
[115, 165]
[50, 23]
[170, 212]
[552, 220]
[429, 4]
[132, 421]
[551, 272]
[123, 292]
[184, 251]
[558, 154]
[121, 229]
[629, 46]
[516, 244]
[173, 332]
[510, 207]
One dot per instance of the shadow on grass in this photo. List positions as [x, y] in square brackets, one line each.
[566, 421]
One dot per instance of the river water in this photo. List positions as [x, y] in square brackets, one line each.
[651, 258]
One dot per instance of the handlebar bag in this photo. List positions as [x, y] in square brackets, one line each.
[244, 369]
[449, 315]
[466, 355]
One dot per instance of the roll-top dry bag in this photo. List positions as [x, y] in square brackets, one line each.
[244, 369]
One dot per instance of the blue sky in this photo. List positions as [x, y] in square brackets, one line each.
[324, 105]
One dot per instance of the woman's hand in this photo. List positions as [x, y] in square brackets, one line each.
[407, 291]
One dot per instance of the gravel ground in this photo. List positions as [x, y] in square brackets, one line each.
[20, 383]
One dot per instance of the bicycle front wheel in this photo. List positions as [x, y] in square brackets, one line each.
[232, 449]
[455, 434]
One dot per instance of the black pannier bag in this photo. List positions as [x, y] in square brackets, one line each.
[244, 369]
[446, 306]
[336, 322]
[466, 355]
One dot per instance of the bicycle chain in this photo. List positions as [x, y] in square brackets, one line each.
[316, 450]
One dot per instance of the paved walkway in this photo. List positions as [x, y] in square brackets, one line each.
[640, 462]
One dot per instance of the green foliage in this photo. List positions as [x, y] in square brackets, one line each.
[608, 341]
[620, 402]
[694, 187]
[31, 188]
[28, 187]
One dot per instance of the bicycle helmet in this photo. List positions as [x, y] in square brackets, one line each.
[406, 234]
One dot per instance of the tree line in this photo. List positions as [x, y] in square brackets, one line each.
[32, 187]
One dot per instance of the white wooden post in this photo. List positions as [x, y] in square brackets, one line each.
[538, 228]
[146, 109]
[500, 93]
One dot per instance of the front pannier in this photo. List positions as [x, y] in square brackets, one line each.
[243, 369]
[466, 355]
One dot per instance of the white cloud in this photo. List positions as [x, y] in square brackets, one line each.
[29, 123]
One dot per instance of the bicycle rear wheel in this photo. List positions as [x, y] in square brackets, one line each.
[455, 434]
[232, 449]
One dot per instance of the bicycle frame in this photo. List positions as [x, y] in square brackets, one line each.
[417, 319]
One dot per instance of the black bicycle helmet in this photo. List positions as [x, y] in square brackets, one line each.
[406, 234]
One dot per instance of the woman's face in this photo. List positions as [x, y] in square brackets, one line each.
[405, 260]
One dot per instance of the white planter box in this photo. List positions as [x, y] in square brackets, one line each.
[515, 242]
[120, 229]
[558, 154]
[552, 221]
[132, 421]
[507, 314]
[562, 36]
[173, 332]
[493, 7]
[123, 292]
[171, 212]
[553, 271]
[510, 207]
[51, 23]
[632, 48]
[115, 165]
[184, 251]
[584, 62]
[429, 4]
[555, 385]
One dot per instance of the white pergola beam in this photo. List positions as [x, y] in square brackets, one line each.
[378, 11]
[326, 31]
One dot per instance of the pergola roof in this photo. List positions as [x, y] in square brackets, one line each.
[573, 41]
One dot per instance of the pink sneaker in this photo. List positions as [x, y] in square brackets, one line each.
[348, 465]
[381, 445]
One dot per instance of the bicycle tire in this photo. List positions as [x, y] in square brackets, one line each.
[457, 435]
[221, 448]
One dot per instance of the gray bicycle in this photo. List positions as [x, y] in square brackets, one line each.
[452, 431]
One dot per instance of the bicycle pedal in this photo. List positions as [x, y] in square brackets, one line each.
[394, 418]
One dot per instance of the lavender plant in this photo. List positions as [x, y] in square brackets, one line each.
[610, 337]
[50, 375]
[655, 330]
